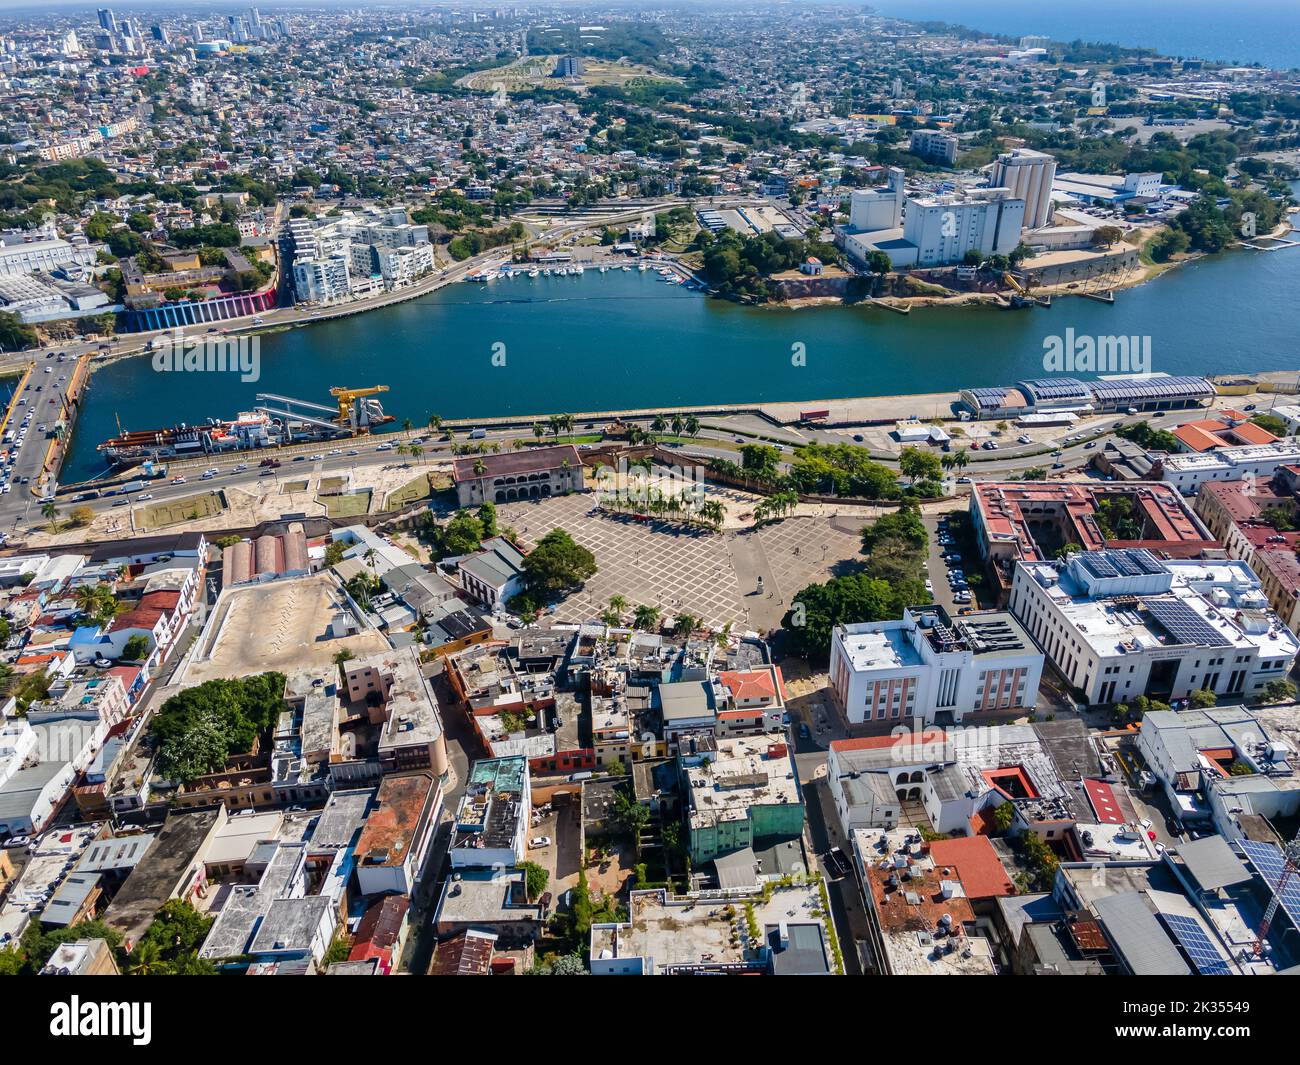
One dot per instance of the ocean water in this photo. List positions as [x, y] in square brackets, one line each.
[1248, 31]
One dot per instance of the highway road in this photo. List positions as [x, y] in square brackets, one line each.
[20, 509]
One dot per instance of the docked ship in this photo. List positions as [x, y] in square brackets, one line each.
[275, 421]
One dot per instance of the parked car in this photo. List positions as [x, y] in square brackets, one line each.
[17, 841]
[540, 841]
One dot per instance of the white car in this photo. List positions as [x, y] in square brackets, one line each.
[540, 841]
[929, 585]
[141, 499]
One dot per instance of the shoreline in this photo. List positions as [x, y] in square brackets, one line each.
[1148, 272]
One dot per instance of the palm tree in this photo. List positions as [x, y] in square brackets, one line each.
[479, 468]
[962, 457]
[406, 426]
[948, 461]
[146, 959]
[645, 617]
[691, 425]
[659, 426]
[435, 422]
[539, 431]
[51, 512]
[677, 425]
[416, 451]
[618, 604]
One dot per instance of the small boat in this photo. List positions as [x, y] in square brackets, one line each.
[641, 266]
[603, 269]
[627, 269]
[532, 273]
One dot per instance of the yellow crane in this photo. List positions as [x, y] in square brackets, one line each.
[1009, 278]
[346, 397]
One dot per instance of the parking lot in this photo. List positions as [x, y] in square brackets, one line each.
[946, 567]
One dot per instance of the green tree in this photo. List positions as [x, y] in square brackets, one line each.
[535, 878]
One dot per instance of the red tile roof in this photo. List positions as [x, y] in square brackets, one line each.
[977, 865]
[753, 684]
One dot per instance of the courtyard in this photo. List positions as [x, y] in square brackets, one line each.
[714, 576]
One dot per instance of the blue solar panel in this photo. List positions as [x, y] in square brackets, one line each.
[1269, 863]
[1198, 946]
[1184, 624]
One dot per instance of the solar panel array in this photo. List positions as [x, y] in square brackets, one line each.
[1148, 388]
[1184, 624]
[988, 397]
[1054, 388]
[1124, 562]
[1269, 863]
[1191, 937]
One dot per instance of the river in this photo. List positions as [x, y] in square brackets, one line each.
[623, 340]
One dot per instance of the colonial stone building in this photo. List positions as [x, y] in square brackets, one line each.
[534, 473]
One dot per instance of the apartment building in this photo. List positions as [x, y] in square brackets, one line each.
[927, 669]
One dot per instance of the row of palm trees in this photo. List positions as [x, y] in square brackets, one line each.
[709, 513]
[777, 505]
[647, 618]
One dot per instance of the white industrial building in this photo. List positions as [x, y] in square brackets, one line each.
[1260, 461]
[1122, 623]
[927, 669]
[1029, 176]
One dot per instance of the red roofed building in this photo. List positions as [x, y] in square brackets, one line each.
[1229, 428]
[382, 932]
[1242, 514]
[755, 703]
[534, 473]
[1029, 521]
[976, 864]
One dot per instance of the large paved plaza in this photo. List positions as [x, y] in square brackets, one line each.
[712, 575]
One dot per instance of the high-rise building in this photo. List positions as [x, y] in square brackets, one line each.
[106, 20]
[196, 31]
[1029, 175]
[944, 228]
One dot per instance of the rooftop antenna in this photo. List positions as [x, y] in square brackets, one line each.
[1290, 867]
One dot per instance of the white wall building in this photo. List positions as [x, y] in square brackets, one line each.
[925, 668]
[322, 279]
[871, 210]
[1122, 623]
[944, 228]
[1260, 461]
[1029, 175]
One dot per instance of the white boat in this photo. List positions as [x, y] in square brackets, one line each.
[532, 273]
[603, 269]
[641, 266]
[627, 269]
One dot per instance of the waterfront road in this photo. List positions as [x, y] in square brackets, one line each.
[240, 469]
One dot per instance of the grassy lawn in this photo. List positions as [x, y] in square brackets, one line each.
[332, 485]
[290, 487]
[411, 492]
[348, 506]
[161, 515]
